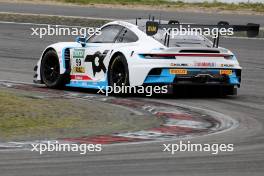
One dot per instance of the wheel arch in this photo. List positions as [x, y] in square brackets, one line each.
[114, 56]
[111, 61]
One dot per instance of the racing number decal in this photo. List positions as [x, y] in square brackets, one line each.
[97, 61]
[78, 62]
[78, 55]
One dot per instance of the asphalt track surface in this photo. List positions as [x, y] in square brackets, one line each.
[20, 51]
[114, 13]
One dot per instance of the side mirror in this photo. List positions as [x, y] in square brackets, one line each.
[81, 40]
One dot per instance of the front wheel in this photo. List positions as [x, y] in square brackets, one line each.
[50, 70]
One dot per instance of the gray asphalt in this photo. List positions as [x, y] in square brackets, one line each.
[20, 51]
[186, 17]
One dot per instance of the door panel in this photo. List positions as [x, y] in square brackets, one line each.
[90, 62]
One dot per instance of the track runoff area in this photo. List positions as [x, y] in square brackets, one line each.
[180, 122]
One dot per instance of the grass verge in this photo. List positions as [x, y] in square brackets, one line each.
[23, 116]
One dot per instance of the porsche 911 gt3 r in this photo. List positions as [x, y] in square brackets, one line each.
[125, 54]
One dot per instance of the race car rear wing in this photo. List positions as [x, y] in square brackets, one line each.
[152, 28]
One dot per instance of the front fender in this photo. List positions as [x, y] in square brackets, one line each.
[59, 48]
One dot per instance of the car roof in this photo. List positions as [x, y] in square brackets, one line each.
[121, 23]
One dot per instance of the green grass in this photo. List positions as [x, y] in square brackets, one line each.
[258, 7]
[24, 117]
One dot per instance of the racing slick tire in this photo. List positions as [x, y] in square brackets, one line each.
[50, 71]
[118, 72]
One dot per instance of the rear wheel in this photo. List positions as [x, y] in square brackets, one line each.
[50, 70]
[118, 72]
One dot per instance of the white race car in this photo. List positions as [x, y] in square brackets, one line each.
[135, 55]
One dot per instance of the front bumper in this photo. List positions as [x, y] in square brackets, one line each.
[194, 76]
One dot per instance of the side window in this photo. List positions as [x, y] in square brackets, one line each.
[108, 35]
[126, 36]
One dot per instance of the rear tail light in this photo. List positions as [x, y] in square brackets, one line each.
[157, 56]
[173, 56]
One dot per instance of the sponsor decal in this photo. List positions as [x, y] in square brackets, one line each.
[80, 77]
[151, 27]
[179, 65]
[97, 61]
[78, 53]
[227, 65]
[178, 71]
[205, 64]
[225, 72]
[78, 70]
